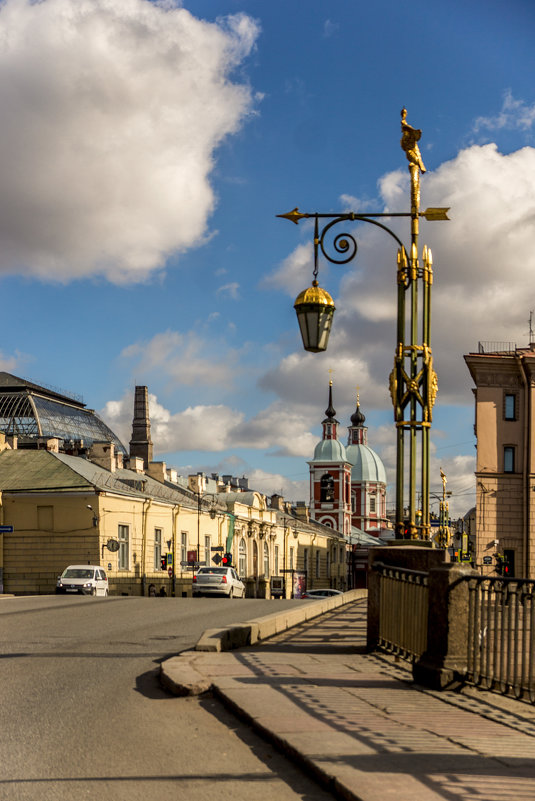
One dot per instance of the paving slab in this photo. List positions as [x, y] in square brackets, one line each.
[359, 724]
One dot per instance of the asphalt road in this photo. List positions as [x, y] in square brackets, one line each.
[83, 714]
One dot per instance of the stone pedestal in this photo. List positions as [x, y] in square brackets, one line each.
[444, 662]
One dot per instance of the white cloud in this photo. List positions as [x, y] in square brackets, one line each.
[513, 114]
[111, 112]
[186, 358]
[231, 290]
[484, 263]
[216, 428]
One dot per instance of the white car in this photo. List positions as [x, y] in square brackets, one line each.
[218, 581]
[83, 580]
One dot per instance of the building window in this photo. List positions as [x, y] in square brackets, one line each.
[207, 550]
[509, 407]
[317, 564]
[266, 560]
[373, 504]
[342, 555]
[328, 564]
[292, 558]
[242, 559]
[124, 547]
[326, 488]
[305, 560]
[508, 459]
[157, 548]
[276, 565]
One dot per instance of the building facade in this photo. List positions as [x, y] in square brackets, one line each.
[504, 378]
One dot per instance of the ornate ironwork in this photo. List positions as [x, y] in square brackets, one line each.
[413, 381]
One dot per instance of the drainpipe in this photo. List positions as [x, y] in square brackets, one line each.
[144, 545]
[176, 510]
[526, 521]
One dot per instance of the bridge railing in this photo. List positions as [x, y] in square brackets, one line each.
[455, 625]
[403, 610]
[501, 635]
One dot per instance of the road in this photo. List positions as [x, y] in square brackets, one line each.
[84, 716]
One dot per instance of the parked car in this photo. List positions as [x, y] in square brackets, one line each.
[218, 581]
[83, 580]
[326, 593]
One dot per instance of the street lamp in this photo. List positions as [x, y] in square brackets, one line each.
[413, 381]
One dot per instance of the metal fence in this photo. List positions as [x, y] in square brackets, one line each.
[403, 610]
[501, 635]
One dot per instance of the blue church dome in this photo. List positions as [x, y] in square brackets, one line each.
[330, 450]
[367, 465]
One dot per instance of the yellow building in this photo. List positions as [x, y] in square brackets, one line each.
[65, 509]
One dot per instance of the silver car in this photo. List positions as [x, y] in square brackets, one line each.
[218, 581]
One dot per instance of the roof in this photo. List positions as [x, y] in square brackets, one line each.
[37, 470]
[367, 465]
[329, 450]
[32, 411]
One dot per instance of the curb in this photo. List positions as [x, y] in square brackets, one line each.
[179, 674]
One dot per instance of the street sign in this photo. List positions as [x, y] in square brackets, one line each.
[170, 572]
[217, 548]
[9, 530]
[216, 559]
[487, 560]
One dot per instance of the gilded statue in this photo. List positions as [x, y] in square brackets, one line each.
[409, 142]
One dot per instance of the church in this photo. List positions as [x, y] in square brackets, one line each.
[348, 488]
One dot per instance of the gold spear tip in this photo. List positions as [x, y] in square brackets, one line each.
[294, 215]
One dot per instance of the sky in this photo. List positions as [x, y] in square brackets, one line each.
[145, 151]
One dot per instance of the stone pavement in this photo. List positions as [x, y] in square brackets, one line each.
[358, 723]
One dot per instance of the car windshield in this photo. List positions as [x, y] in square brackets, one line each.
[78, 573]
[217, 570]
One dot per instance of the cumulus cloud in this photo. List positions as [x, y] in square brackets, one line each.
[216, 428]
[111, 112]
[483, 267]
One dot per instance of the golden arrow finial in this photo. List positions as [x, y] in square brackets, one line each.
[294, 216]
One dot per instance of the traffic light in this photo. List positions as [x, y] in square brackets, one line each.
[163, 563]
[227, 560]
[505, 567]
[500, 565]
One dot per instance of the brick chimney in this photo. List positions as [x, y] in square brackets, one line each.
[141, 442]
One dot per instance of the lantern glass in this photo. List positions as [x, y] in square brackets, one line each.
[315, 309]
[315, 322]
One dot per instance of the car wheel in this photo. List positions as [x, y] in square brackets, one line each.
[105, 593]
[231, 592]
[93, 591]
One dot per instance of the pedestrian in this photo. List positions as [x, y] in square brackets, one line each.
[162, 592]
[152, 591]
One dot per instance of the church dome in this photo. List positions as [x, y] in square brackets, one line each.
[330, 450]
[367, 466]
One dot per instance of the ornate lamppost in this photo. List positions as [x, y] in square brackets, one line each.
[413, 381]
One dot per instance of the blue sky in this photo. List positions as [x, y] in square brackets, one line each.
[145, 151]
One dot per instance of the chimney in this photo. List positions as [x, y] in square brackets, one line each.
[277, 502]
[141, 442]
[103, 454]
[157, 471]
[301, 511]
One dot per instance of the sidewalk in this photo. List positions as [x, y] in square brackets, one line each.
[358, 723]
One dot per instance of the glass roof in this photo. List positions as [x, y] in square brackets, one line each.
[31, 415]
